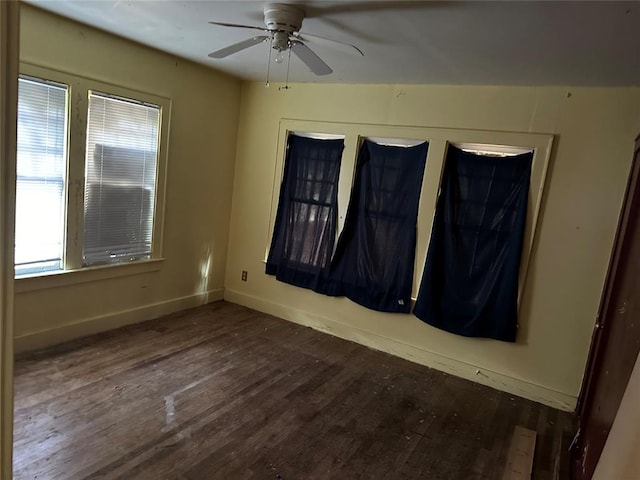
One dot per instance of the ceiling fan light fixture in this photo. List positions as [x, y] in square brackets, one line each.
[280, 41]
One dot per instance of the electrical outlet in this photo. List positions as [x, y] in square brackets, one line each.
[244, 275]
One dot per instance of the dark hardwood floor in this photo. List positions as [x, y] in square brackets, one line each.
[224, 392]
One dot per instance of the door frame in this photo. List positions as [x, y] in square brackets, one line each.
[9, 54]
[600, 333]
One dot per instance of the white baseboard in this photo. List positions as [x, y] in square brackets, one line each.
[499, 381]
[45, 338]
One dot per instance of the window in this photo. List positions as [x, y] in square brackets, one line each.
[90, 174]
[41, 167]
[306, 219]
[439, 139]
[470, 280]
[374, 260]
[121, 157]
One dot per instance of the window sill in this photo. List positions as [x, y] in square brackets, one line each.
[64, 278]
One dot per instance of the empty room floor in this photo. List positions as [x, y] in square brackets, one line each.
[225, 392]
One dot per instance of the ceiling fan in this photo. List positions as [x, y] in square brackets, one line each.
[282, 30]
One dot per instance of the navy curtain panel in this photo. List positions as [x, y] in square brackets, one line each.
[470, 280]
[305, 225]
[374, 260]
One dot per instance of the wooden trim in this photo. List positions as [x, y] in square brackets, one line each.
[45, 338]
[587, 447]
[65, 278]
[9, 40]
[412, 352]
[594, 358]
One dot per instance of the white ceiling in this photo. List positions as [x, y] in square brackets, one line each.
[438, 42]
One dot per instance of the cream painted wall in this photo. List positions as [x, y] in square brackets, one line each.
[201, 154]
[594, 130]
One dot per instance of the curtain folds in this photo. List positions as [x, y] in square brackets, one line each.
[470, 280]
[374, 260]
[305, 225]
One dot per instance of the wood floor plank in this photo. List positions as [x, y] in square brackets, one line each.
[521, 451]
[225, 392]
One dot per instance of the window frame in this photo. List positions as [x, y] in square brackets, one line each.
[78, 99]
[439, 139]
[274, 203]
[290, 265]
[63, 183]
[91, 257]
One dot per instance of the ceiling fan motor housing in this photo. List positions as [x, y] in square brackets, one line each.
[283, 17]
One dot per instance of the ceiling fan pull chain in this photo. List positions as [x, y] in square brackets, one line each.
[266, 82]
[286, 83]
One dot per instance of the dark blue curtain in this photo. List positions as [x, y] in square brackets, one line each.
[305, 226]
[470, 280]
[374, 260]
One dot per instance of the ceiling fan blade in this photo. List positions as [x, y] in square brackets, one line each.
[305, 34]
[237, 25]
[236, 47]
[310, 59]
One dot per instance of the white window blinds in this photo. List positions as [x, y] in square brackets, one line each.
[121, 160]
[41, 166]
